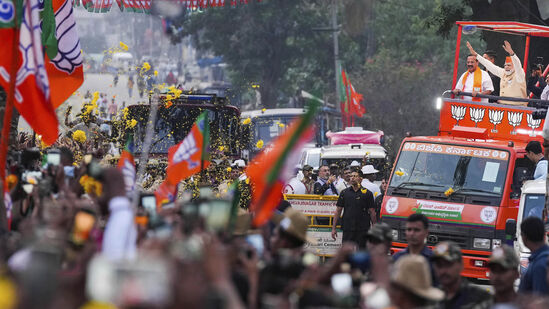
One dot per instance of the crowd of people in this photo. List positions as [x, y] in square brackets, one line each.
[74, 239]
[507, 81]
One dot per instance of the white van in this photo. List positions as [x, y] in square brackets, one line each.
[310, 156]
[343, 155]
[532, 202]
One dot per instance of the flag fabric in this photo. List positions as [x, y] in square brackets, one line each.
[7, 203]
[126, 164]
[191, 155]
[63, 52]
[165, 193]
[343, 97]
[32, 87]
[356, 108]
[267, 169]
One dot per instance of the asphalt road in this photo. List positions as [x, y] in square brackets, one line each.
[95, 82]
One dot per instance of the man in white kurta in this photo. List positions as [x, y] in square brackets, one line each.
[466, 82]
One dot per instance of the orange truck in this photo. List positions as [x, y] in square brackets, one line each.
[467, 179]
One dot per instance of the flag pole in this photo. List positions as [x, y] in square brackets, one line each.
[8, 111]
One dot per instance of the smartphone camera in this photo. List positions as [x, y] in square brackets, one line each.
[148, 202]
[53, 157]
[256, 241]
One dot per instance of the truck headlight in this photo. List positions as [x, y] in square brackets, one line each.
[481, 243]
[496, 243]
[394, 233]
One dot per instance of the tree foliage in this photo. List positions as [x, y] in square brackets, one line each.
[412, 66]
[278, 45]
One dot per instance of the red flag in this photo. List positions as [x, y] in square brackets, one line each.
[265, 170]
[190, 156]
[165, 193]
[356, 98]
[126, 164]
[32, 88]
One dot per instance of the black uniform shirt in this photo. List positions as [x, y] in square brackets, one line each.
[355, 208]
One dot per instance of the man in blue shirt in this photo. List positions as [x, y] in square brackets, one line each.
[534, 279]
[535, 154]
[417, 230]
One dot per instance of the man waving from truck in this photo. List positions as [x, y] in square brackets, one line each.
[512, 77]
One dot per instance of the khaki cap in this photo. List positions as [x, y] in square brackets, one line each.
[412, 273]
[504, 256]
[296, 223]
[447, 250]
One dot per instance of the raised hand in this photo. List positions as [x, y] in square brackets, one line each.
[471, 50]
[508, 48]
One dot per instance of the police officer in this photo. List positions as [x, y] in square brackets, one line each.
[460, 293]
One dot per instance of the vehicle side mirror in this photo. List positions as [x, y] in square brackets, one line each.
[511, 227]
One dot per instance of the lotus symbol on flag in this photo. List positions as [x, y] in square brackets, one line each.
[477, 114]
[69, 55]
[185, 151]
[458, 113]
[533, 123]
[514, 120]
[495, 117]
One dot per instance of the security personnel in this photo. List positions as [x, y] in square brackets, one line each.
[358, 203]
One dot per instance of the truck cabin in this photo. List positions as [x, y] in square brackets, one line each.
[467, 179]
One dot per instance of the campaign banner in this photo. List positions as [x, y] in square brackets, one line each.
[457, 150]
[325, 244]
[439, 210]
[312, 205]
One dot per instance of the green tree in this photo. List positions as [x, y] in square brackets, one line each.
[411, 67]
[273, 44]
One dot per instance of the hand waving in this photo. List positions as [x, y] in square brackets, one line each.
[508, 48]
[471, 50]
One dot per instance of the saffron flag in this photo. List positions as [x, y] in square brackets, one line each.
[266, 169]
[32, 87]
[165, 193]
[356, 98]
[126, 164]
[64, 54]
[191, 155]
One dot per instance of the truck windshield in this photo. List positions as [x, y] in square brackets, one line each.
[533, 205]
[268, 127]
[438, 167]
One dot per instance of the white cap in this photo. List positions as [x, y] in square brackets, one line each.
[369, 169]
[239, 163]
[355, 163]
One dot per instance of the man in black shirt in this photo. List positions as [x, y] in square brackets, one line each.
[535, 78]
[359, 207]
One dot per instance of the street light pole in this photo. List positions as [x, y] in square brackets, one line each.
[335, 34]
